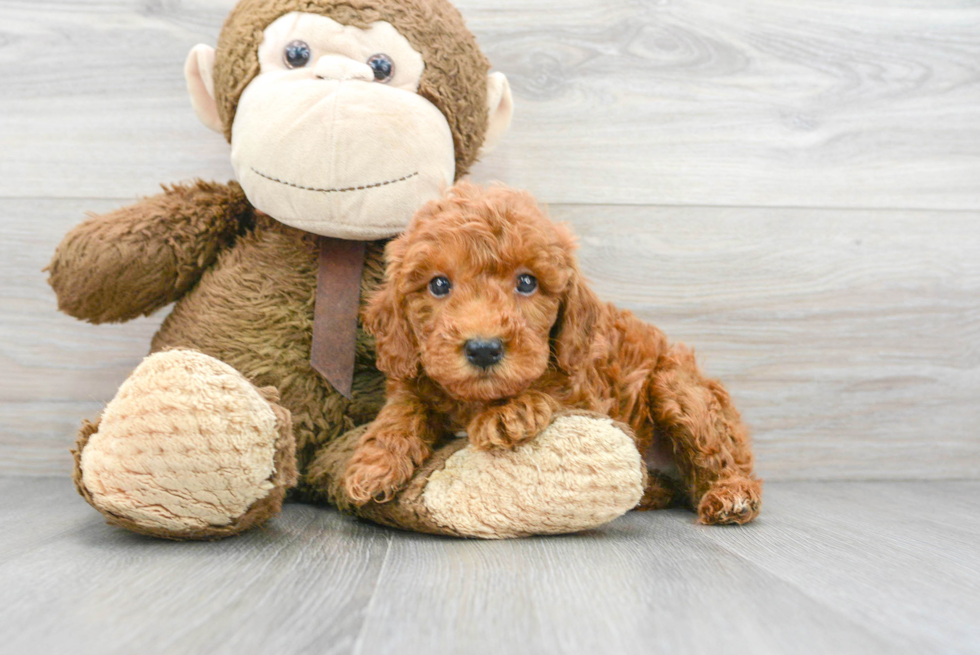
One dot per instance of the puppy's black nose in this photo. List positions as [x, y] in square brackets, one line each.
[484, 352]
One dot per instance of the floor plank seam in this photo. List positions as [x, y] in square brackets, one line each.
[887, 634]
[270, 554]
[359, 639]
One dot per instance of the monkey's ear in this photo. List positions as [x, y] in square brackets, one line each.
[500, 106]
[199, 71]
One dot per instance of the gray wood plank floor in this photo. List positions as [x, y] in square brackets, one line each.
[831, 567]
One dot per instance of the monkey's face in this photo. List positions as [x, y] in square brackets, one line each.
[332, 138]
[329, 130]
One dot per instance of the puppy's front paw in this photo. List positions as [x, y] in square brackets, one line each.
[375, 473]
[511, 424]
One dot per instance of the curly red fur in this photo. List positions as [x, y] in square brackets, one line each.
[563, 348]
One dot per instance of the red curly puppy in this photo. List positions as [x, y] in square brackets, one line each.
[485, 324]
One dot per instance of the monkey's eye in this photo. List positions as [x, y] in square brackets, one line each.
[383, 67]
[439, 286]
[526, 284]
[297, 54]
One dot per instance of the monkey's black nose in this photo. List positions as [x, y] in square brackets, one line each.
[483, 352]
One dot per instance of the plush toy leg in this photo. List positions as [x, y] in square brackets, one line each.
[580, 472]
[188, 449]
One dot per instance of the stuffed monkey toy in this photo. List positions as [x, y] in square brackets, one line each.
[344, 117]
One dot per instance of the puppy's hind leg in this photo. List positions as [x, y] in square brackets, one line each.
[711, 445]
[660, 492]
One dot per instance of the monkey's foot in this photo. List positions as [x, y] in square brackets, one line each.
[188, 449]
[582, 471]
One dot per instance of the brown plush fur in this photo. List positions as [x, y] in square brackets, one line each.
[455, 76]
[563, 348]
[244, 286]
[253, 310]
[140, 258]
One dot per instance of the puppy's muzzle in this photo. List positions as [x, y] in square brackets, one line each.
[483, 353]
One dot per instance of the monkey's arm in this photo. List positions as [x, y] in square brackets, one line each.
[135, 260]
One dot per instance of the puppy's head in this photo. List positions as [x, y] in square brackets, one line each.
[481, 291]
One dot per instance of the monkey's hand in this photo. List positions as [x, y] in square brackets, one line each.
[135, 260]
[512, 423]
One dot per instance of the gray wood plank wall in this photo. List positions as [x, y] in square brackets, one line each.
[791, 187]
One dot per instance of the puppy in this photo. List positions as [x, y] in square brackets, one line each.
[484, 323]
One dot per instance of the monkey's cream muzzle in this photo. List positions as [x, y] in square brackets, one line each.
[343, 158]
[326, 148]
[332, 136]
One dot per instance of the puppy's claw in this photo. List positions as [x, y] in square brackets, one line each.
[731, 502]
[364, 483]
[513, 423]
[360, 495]
[489, 431]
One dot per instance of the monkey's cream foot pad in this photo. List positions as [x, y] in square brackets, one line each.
[579, 473]
[187, 449]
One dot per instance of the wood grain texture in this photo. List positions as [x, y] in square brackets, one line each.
[841, 103]
[848, 338]
[901, 559]
[72, 583]
[56, 370]
[773, 103]
[647, 586]
[830, 567]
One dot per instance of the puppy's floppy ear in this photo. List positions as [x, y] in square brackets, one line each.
[385, 318]
[576, 331]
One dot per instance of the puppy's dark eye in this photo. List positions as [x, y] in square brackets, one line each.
[526, 284]
[383, 67]
[297, 54]
[440, 286]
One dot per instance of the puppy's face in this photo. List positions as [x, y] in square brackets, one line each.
[478, 280]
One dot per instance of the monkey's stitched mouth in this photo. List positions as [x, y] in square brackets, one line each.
[337, 190]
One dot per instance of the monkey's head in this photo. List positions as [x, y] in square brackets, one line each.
[346, 116]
